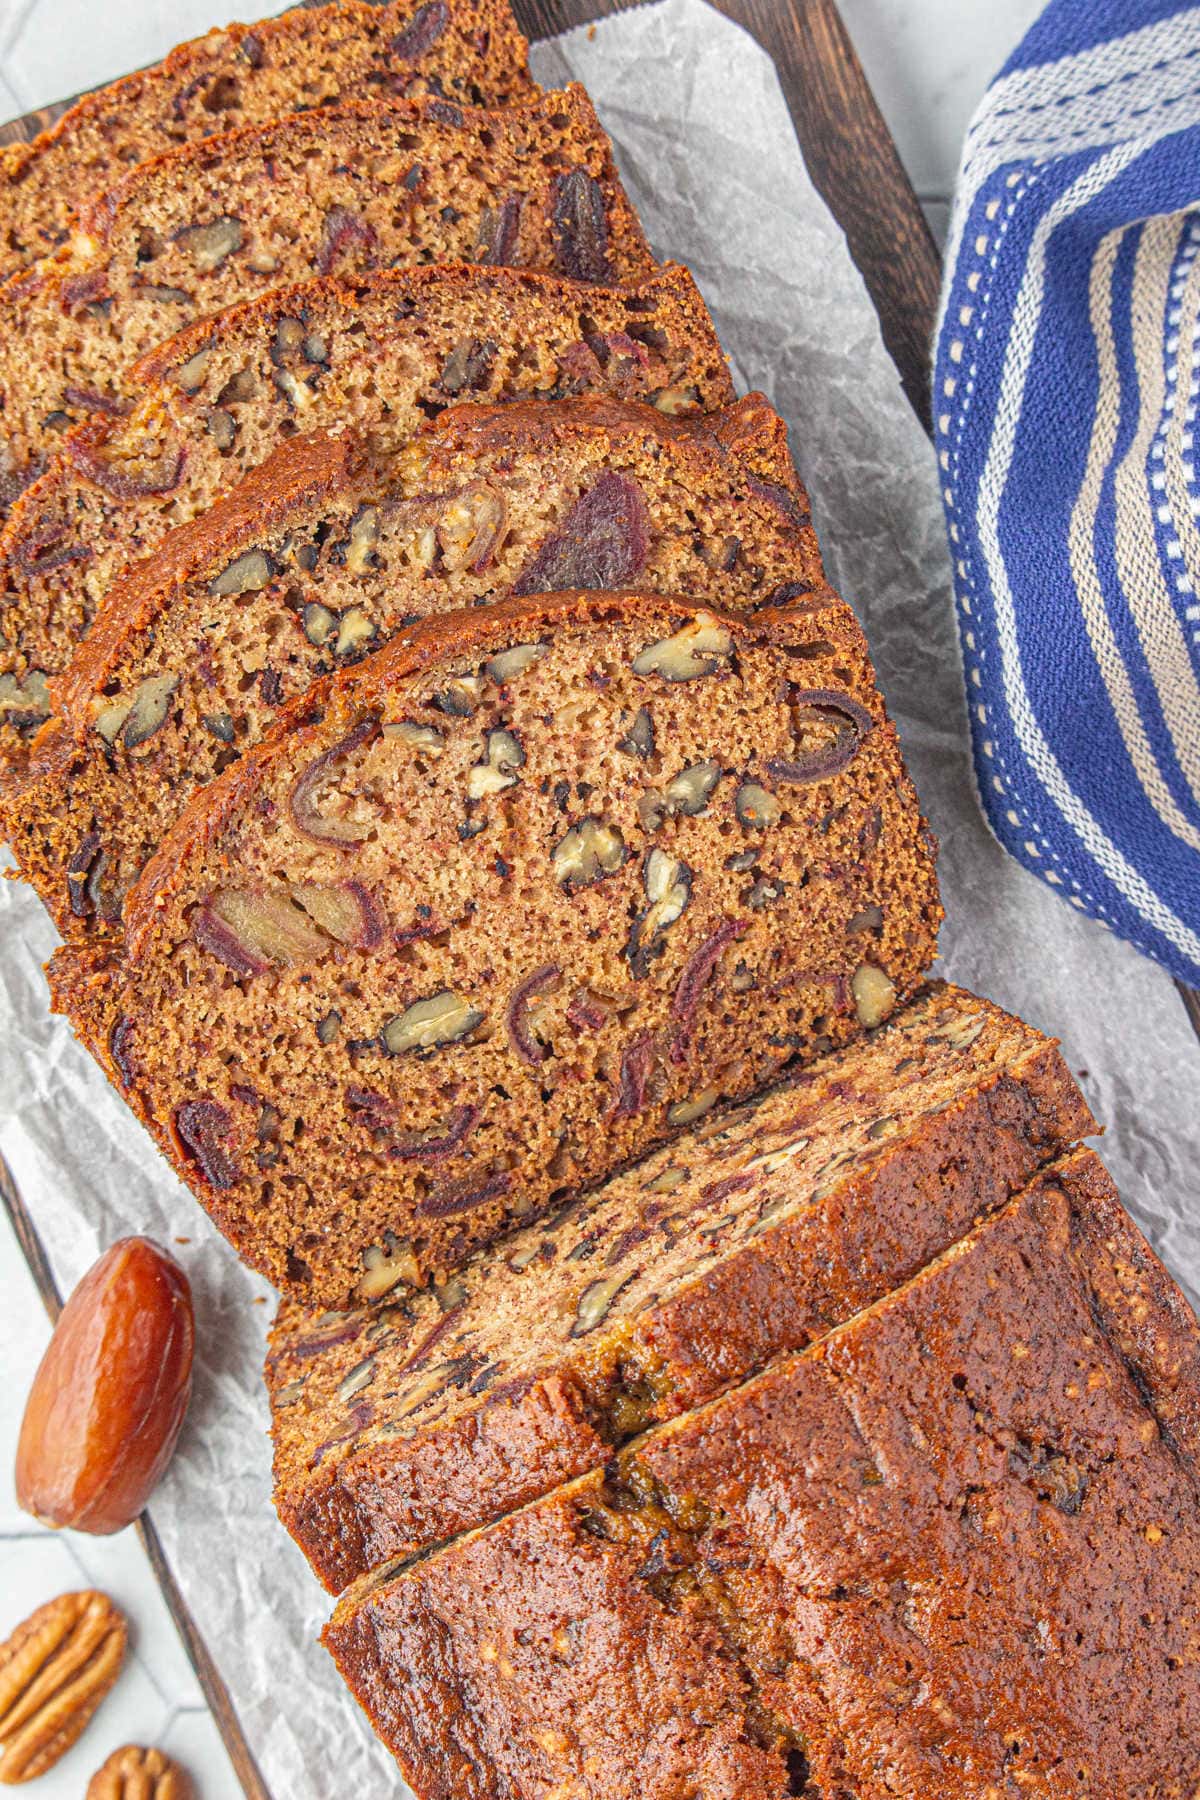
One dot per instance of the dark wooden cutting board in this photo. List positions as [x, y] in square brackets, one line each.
[854, 164]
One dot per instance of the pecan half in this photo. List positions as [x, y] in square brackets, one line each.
[135, 1773]
[55, 1670]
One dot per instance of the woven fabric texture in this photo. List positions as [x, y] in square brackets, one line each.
[1065, 395]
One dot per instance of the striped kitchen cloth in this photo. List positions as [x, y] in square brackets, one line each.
[1065, 395]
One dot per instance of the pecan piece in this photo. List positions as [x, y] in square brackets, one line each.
[874, 994]
[668, 885]
[467, 366]
[756, 808]
[472, 526]
[595, 1301]
[590, 851]
[506, 665]
[209, 245]
[246, 574]
[136, 1773]
[428, 1024]
[55, 1670]
[24, 703]
[695, 649]
[497, 770]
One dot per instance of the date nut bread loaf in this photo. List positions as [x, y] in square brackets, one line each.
[465, 50]
[952, 1549]
[487, 916]
[754, 1233]
[325, 551]
[383, 353]
[339, 189]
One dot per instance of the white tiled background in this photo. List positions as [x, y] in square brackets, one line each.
[929, 62]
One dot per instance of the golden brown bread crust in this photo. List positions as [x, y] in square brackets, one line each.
[319, 465]
[465, 50]
[953, 1548]
[690, 1033]
[344, 188]
[709, 504]
[398, 348]
[376, 1458]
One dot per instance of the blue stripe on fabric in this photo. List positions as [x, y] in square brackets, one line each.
[1057, 658]
[1067, 28]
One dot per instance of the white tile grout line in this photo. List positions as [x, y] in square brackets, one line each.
[38, 1537]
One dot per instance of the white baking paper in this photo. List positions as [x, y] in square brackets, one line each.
[706, 145]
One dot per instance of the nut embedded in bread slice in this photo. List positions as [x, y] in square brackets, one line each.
[465, 50]
[339, 190]
[328, 549]
[755, 1232]
[383, 353]
[951, 1548]
[435, 953]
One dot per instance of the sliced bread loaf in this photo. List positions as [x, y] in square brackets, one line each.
[326, 550]
[384, 353]
[465, 50]
[340, 189]
[757, 1231]
[952, 1549]
[492, 913]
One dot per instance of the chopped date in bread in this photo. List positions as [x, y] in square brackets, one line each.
[952, 1548]
[748, 1237]
[243, 935]
[337, 190]
[386, 351]
[464, 50]
[329, 549]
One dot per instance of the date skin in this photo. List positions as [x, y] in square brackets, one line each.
[110, 1394]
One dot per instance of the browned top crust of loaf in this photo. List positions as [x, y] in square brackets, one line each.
[384, 353]
[429, 830]
[954, 1548]
[760, 1229]
[326, 549]
[464, 50]
[341, 189]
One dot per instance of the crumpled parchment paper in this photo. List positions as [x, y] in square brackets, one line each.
[705, 143]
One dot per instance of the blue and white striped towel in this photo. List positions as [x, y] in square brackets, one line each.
[1065, 397]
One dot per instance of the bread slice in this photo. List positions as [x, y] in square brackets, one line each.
[952, 1549]
[491, 914]
[340, 189]
[758, 1231]
[464, 50]
[327, 550]
[385, 353]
